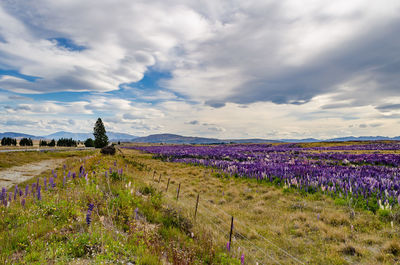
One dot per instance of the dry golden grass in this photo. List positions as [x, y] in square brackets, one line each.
[10, 159]
[311, 228]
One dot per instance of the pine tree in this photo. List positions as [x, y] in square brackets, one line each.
[100, 136]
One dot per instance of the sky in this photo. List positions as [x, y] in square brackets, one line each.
[226, 69]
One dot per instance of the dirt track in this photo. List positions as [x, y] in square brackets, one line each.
[18, 174]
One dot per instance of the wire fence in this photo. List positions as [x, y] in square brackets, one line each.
[257, 250]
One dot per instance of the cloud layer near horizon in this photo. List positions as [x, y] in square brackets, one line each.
[238, 68]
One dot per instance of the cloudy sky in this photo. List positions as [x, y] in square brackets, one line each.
[227, 69]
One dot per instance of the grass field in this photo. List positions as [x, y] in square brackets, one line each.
[10, 159]
[271, 224]
[313, 228]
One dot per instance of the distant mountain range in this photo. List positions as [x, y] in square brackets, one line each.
[112, 136]
[179, 139]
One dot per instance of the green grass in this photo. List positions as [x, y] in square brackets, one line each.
[54, 229]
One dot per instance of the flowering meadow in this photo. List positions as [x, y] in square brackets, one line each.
[94, 210]
[372, 180]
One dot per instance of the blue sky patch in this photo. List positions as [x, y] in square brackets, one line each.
[16, 73]
[68, 44]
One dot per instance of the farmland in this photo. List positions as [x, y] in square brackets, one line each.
[291, 203]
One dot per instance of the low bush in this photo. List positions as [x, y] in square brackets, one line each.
[108, 150]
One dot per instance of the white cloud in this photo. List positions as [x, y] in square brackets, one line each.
[239, 68]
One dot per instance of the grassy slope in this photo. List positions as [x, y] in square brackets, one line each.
[311, 227]
[53, 230]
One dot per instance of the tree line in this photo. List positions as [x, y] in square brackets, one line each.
[68, 142]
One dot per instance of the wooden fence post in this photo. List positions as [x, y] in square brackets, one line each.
[177, 194]
[230, 235]
[167, 185]
[197, 204]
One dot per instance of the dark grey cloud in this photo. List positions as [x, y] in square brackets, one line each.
[388, 107]
[194, 122]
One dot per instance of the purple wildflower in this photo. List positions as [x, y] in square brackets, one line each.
[15, 192]
[89, 213]
[73, 175]
[23, 202]
[228, 246]
[65, 166]
[110, 170]
[136, 213]
[26, 190]
[115, 163]
[39, 196]
[20, 192]
[242, 259]
[69, 174]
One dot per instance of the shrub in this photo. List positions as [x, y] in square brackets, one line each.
[52, 143]
[66, 142]
[89, 142]
[26, 142]
[108, 150]
[42, 143]
[8, 141]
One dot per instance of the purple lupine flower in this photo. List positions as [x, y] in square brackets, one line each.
[242, 259]
[26, 190]
[55, 175]
[136, 213]
[15, 192]
[80, 169]
[89, 213]
[106, 173]
[51, 182]
[45, 183]
[228, 246]
[20, 192]
[65, 166]
[110, 170]
[74, 175]
[39, 196]
[23, 202]
[115, 163]
[69, 174]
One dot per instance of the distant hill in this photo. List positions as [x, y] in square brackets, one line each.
[112, 136]
[177, 139]
[306, 140]
[363, 138]
[18, 135]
